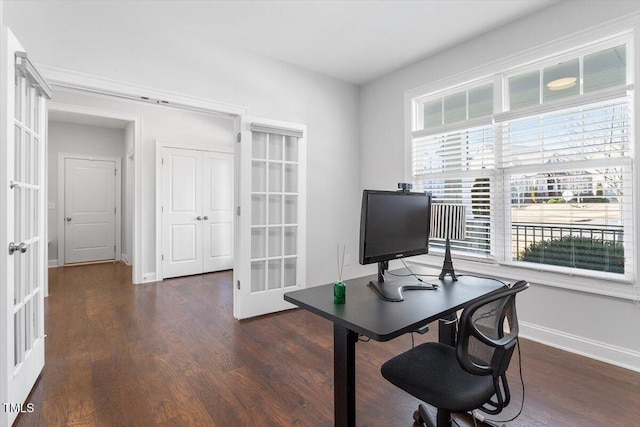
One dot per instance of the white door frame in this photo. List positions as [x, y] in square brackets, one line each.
[61, 79]
[136, 120]
[62, 157]
[160, 146]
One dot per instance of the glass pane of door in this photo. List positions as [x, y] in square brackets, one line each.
[274, 211]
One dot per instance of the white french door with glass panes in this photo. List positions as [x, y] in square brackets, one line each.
[272, 230]
[22, 226]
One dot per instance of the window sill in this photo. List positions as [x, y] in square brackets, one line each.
[618, 288]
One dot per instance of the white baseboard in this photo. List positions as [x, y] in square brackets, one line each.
[614, 355]
[125, 259]
[53, 263]
[148, 277]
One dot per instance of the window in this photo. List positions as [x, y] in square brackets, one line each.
[542, 158]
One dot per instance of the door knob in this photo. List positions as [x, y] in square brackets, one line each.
[22, 247]
[199, 218]
[68, 219]
[206, 218]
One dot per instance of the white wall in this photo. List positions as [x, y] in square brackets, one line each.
[128, 168]
[75, 139]
[603, 327]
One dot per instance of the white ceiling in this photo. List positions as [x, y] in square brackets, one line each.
[355, 41]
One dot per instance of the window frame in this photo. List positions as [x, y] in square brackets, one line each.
[618, 32]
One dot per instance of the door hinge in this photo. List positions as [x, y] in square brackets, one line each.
[162, 161]
[239, 137]
[115, 171]
[114, 210]
[162, 257]
[161, 208]
[238, 211]
[238, 284]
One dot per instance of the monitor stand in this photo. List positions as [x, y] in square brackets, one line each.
[393, 290]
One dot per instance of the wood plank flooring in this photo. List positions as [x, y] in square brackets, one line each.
[171, 354]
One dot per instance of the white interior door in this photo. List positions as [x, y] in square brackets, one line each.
[217, 211]
[90, 210]
[181, 212]
[22, 226]
[272, 217]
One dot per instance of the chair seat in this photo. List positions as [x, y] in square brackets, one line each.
[431, 373]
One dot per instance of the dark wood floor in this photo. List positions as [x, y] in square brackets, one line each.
[171, 354]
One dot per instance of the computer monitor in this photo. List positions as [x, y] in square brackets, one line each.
[393, 225]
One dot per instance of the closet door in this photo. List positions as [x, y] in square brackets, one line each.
[217, 211]
[182, 217]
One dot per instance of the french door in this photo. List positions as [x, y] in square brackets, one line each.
[22, 226]
[272, 232]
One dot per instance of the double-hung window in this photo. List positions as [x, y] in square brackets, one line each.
[542, 157]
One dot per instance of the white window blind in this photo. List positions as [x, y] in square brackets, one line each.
[567, 175]
[457, 167]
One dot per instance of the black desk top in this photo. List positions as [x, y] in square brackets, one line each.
[365, 313]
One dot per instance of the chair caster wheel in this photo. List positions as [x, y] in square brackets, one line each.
[418, 418]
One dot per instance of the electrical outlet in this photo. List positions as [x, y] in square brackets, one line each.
[347, 260]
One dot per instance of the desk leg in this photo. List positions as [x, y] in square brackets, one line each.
[447, 330]
[446, 335]
[344, 376]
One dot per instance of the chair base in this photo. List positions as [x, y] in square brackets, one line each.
[422, 417]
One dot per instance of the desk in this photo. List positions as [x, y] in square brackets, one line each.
[364, 313]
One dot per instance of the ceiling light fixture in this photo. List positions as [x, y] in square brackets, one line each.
[561, 84]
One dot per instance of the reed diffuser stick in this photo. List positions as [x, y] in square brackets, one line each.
[340, 260]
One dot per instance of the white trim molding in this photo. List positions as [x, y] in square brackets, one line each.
[148, 277]
[61, 78]
[53, 263]
[597, 350]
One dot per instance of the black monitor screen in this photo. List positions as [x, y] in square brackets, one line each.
[393, 224]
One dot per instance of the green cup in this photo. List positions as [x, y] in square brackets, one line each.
[339, 292]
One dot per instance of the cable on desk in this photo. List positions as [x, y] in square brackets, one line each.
[484, 277]
[411, 273]
[361, 338]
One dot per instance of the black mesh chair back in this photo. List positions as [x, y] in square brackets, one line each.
[487, 337]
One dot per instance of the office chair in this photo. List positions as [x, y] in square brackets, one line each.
[471, 375]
